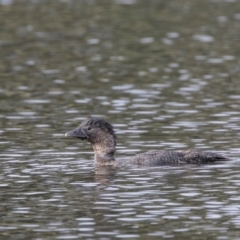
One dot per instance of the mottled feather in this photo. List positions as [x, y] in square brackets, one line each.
[161, 158]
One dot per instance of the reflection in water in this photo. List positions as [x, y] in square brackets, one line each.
[105, 174]
[166, 73]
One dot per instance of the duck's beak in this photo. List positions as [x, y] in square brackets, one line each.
[77, 133]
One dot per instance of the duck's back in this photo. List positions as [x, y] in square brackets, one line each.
[160, 158]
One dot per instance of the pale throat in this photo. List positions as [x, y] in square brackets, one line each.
[104, 148]
[104, 152]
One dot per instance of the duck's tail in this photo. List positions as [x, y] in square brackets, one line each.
[199, 157]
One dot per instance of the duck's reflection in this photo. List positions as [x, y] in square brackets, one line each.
[105, 174]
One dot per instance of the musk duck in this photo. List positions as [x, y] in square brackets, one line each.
[101, 135]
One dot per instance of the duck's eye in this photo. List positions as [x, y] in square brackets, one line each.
[88, 128]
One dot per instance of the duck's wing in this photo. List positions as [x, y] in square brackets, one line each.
[156, 158]
[161, 158]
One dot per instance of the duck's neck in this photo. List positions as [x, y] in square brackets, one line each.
[104, 158]
[104, 151]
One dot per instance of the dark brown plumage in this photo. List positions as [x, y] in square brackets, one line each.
[101, 135]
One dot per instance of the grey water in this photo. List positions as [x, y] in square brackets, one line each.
[164, 73]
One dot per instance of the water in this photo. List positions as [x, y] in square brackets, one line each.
[164, 73]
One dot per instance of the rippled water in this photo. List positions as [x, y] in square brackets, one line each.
[164, 73]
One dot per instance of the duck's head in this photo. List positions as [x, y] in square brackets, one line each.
[97, 131]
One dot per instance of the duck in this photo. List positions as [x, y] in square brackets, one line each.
[101, 135]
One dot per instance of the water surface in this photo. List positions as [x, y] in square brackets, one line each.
[164, 73]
